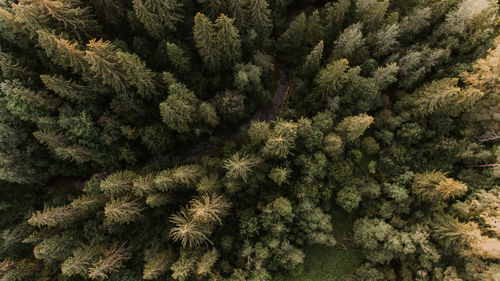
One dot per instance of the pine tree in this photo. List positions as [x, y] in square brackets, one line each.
[103, 61]
[280, 175]
[205, 38]
[349, 42]
[143, 185]
[331, 79]
[431, 186]
[239, 167]
[183, 267]
[54, 249]
[65, 88]
[337, 11]
[415, 22]
[314, 31]
[259, 15]
[444, 96]
[386, 75]
[371, 12]
[385, 40]
[186, 230]
[110, 262]
[156, 265]
[62, 51]
[227, 41]
[333, 145]
[208, 209]
[452, 232]
[353, 127]
[238, 12]
[158, 16]
[178, 111]
[118, 183]
[54, 216]
[208, 114]
[72, 15]
[122, 210]
[75, 153]
[313, 60]
[178, 58]
[79, 262]
[137, 74]
[207, 262]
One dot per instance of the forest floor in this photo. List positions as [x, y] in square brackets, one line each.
[324, 263]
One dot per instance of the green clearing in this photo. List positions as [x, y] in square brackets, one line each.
[327, 263]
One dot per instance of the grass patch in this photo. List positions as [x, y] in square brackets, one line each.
[330, 264]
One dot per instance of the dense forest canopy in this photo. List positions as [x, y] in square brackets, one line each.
[221, 139]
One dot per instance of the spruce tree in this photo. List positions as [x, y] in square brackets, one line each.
[178, 58]
[62, 52]
[353, 127]
[205, 38]
[313, 60]
[158, 17]
[227, 41]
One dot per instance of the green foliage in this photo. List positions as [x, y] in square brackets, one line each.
[159, 102]
[239, 167]
[353, 127]
[158, 17]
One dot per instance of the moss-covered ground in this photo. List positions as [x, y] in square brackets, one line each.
[331, 264]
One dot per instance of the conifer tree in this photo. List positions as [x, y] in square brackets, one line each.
[205, 38]
[208, 209]
[118, 183]
[435, 185]
[337, 11]
[183, 267]
[238, 12]
[349, 42]
[178, 58]
[101, 56]
[72, 15]
[386, 75]
[259, 15]
[189, 233]
[110, 262]
[444, 96]
[314, 29]
[208, 114]
[331, 78]
[451, 232]
[53, 216]
[156, 265]
[353, 127]
[207, 261]
[178, 111]
[137, 74]
[76, 153]
[65, 88]
[158, 16]
[62, 52]
[239, 167]
[79, 262]
[122, 210]
[280, 175]
[371, 12]
[333, 145]
[227, 41]
[313, 60]
[386, 40]
[415, 22]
